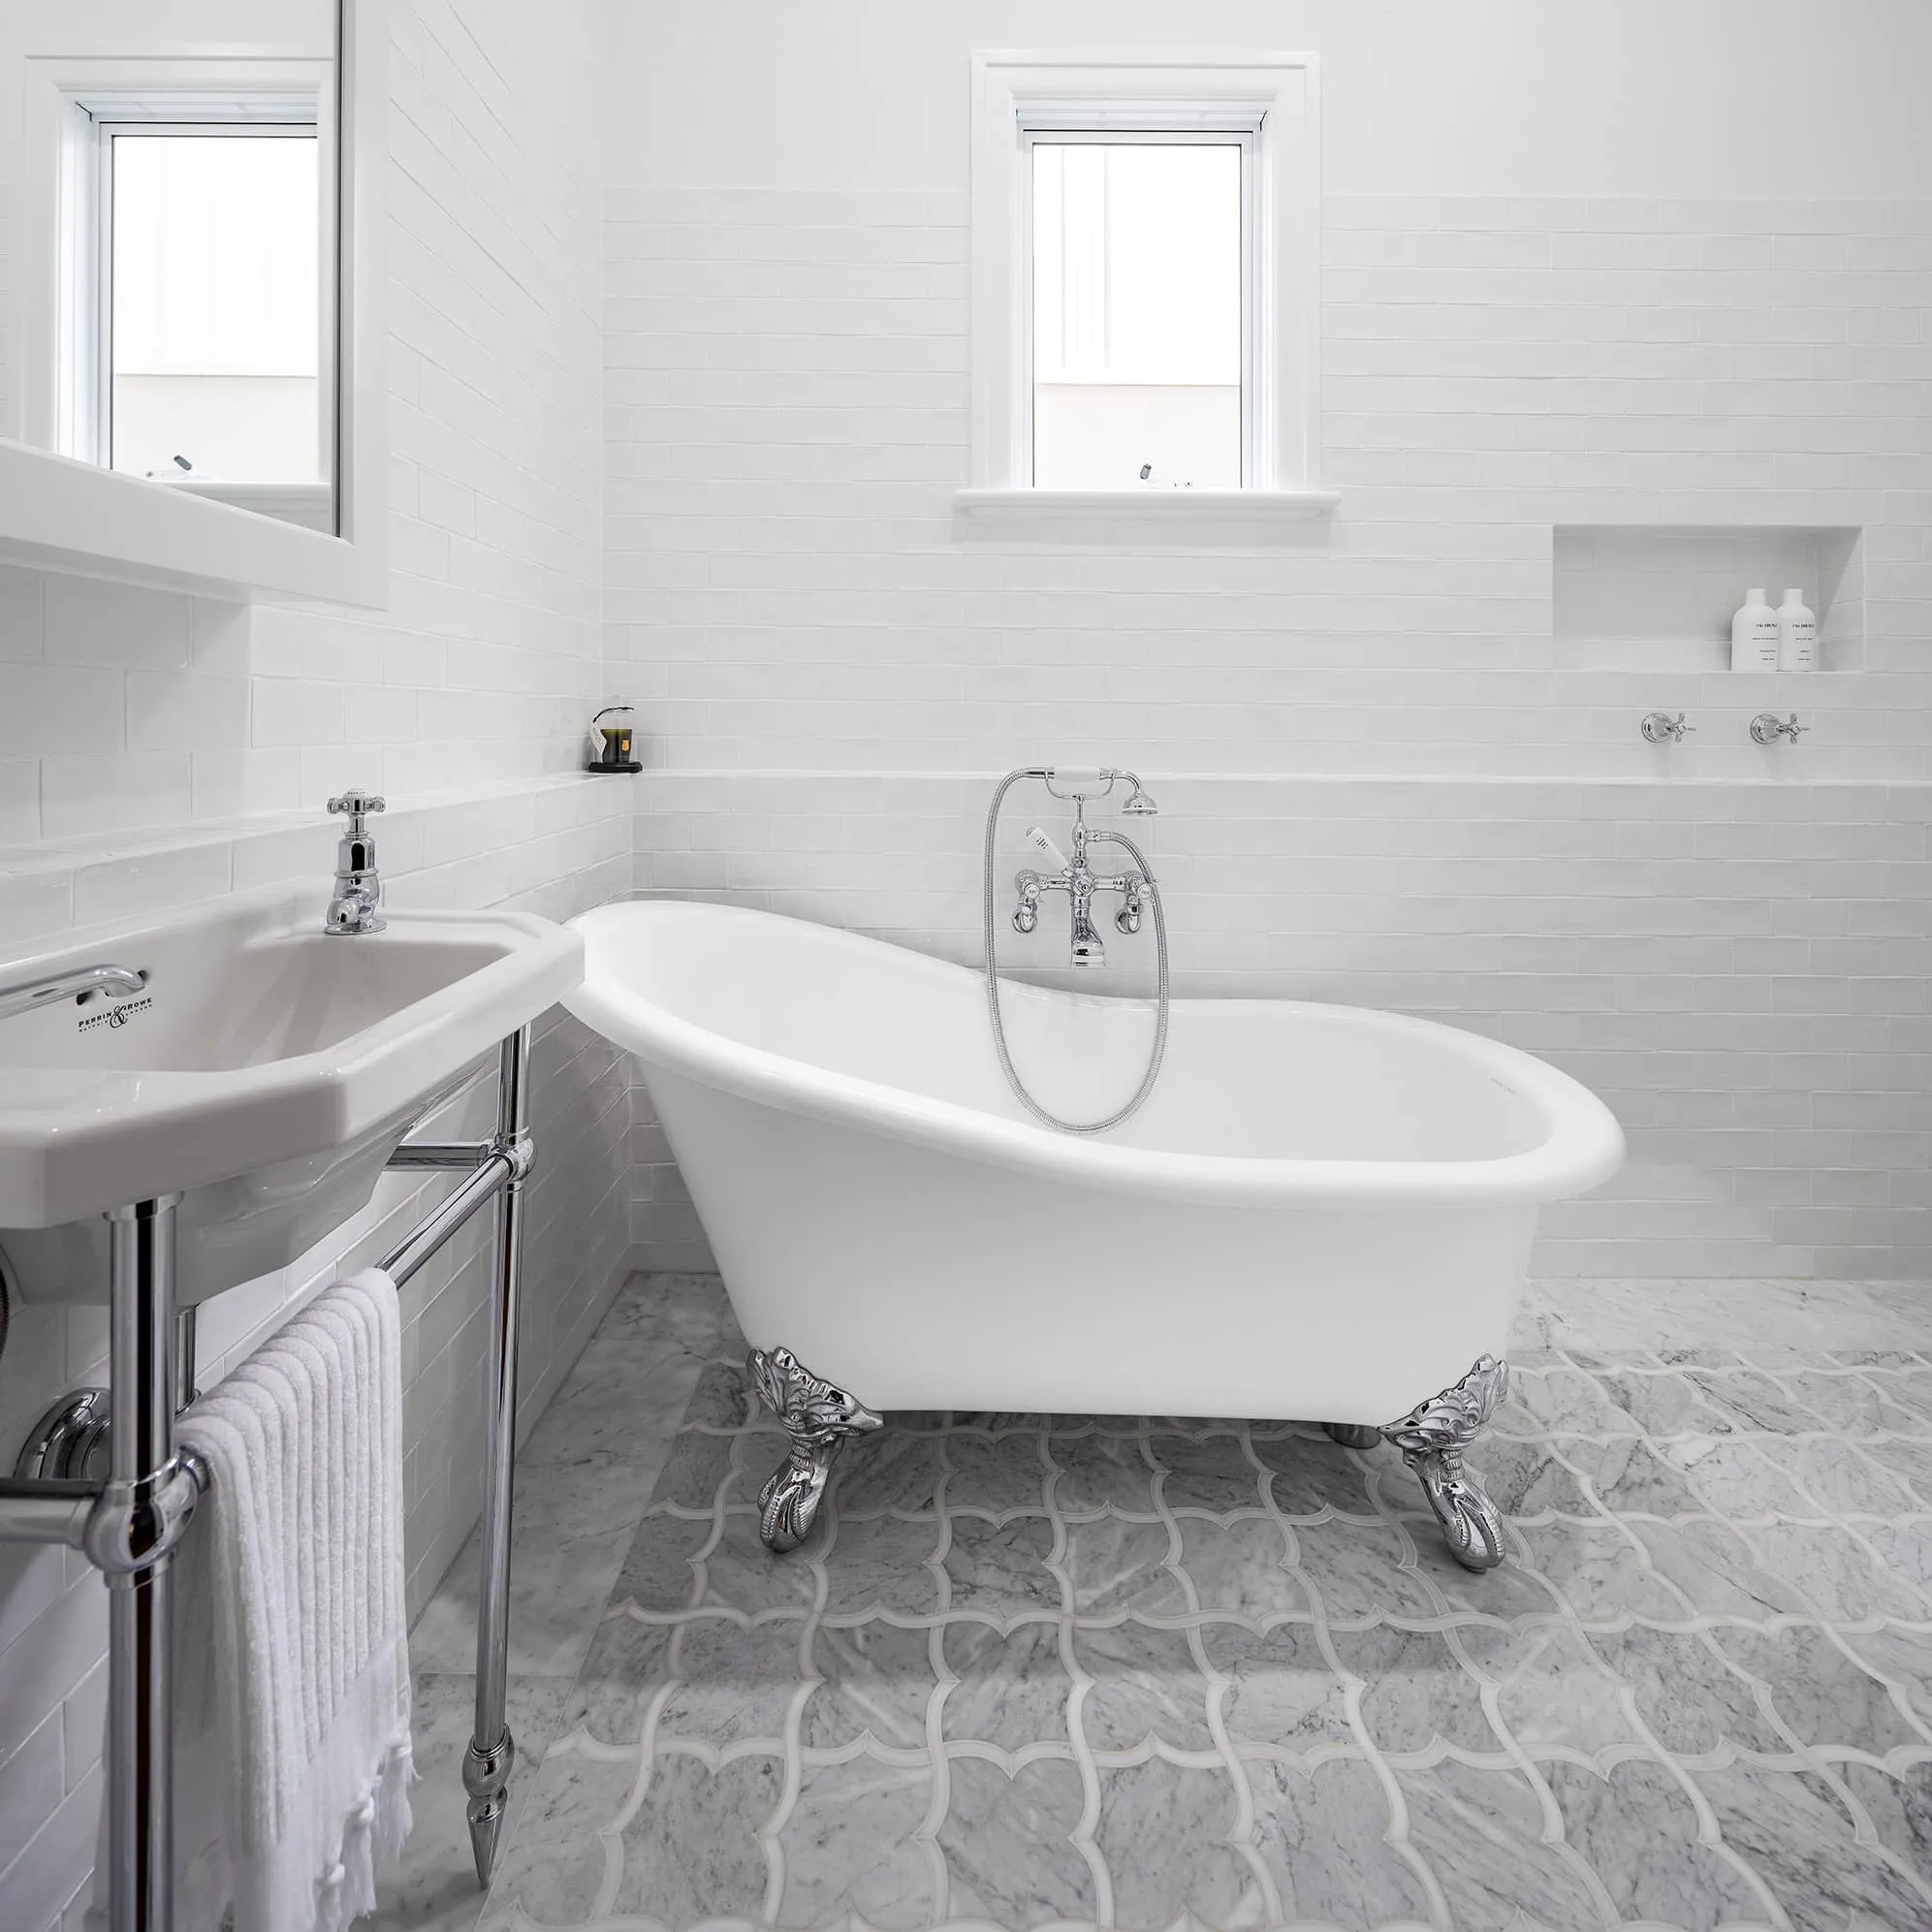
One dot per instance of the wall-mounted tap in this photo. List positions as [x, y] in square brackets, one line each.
[357, 905]
[1767, 728]
[1080, 883]
[1660, 728]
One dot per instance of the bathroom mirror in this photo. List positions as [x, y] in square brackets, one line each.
[189, 386]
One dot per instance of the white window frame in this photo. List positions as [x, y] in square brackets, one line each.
[1267, 102]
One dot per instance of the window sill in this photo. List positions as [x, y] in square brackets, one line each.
[311, 505]
[1103, 512]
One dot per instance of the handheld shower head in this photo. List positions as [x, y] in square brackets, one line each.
[1070, 783]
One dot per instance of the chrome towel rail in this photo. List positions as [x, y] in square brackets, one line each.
[129, 1523]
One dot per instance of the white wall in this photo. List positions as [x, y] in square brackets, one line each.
[134, 726]
[1657, 99]
[1583, 265]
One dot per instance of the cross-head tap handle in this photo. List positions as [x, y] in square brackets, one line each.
[356, 803]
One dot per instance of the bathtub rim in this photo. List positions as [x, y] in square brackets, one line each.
[1583, 1144]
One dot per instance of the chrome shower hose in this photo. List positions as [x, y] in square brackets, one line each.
[1006, 1065]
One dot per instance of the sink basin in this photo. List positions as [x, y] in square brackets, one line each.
[266, 1072]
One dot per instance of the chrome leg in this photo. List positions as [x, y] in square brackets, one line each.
[818, 1416]
[1432, 1438]
[127, 1525]
[141, 1584]
[1354, 1435]
[493, 1751]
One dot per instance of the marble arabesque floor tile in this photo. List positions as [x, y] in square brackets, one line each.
[1101, 1671]
[585, 1474]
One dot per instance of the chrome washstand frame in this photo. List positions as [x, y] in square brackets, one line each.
[129, 1522]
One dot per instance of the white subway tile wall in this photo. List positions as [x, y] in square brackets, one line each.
[1729, 941]
[787, 408]
[136, 726]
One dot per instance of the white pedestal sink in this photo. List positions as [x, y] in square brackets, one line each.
[265, 1073]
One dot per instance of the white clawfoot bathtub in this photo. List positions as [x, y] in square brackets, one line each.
[1322, 1213]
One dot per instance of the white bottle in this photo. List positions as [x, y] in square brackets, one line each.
[1754, 635]
[1797, 634]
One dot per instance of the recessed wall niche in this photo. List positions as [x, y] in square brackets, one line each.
[1643, 597]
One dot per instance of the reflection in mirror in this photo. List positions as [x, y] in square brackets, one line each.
[213, 336]
[180, 283]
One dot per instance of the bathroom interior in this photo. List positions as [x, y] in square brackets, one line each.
[966, 966]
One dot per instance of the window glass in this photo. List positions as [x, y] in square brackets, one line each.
[215, 332]
[1137, 314]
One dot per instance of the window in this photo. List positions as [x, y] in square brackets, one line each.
[212, 319]
[1144, 250]
[196, 246]
[186, 318]
[1140, 311]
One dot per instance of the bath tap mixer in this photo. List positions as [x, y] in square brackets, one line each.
[1080, 883]
[357, 905]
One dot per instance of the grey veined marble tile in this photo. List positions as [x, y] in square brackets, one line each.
[1098, 1672]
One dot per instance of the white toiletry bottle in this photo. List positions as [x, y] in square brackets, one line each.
[1797, 634]
[1754, 635]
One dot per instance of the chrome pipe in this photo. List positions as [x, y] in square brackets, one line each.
[141, 1447]
[430, 1233]
[36, 1510]
[493, 1751]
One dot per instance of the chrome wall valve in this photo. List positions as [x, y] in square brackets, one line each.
[1660, 728]
[1767, 728]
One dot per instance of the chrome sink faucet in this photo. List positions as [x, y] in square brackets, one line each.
[357, 905]
[1080, 883]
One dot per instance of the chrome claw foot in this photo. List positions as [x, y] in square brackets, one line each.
[1354, 1435]
[485, 1777]
[1432, 1438]
[818, 1416]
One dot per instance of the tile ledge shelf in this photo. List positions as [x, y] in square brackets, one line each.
[1175, 775]
[55, 855]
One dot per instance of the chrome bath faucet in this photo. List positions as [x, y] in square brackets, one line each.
[1080, 883]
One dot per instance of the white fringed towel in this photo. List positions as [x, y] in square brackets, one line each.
[293, 1756]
